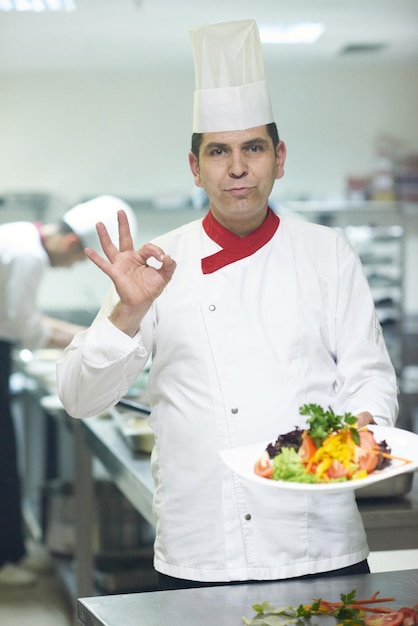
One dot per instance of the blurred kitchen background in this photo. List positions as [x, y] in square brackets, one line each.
[98, 99]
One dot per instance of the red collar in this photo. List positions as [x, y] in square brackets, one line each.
[234, 247]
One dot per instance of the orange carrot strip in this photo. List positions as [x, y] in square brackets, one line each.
[387, 455]
[396, 458]
[371, 609]
[360, 605]
[373, 599]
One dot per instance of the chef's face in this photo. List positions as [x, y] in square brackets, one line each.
[237, 170]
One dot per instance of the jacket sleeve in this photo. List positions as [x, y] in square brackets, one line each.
[366, 376]
[99, 366]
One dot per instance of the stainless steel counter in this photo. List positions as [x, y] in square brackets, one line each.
[225, 606]
[131, 473]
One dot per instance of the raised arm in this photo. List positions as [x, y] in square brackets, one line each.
[101, 363]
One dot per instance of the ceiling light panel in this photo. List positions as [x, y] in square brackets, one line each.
[37, 6]
[294, 33]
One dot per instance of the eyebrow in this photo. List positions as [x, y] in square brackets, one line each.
[215, 144]
[247, 144]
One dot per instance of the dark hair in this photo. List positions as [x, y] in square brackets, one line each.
[273, 133]
[64, 228]
[197, 138]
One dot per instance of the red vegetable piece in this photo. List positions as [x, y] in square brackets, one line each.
[264, 466]
[336, 470]
[307, 448]
[367, 457]
[410, 616]
[367, 439]
[394, 618]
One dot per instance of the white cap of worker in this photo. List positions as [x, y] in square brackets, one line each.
[231, 92]
[82, 219]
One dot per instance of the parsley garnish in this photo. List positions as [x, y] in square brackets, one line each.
[322, 423]
[308, 611]
[344, 612]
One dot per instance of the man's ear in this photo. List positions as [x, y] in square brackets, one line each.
[280, 158]
[194, 166]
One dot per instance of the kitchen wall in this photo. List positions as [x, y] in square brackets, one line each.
[75, 136]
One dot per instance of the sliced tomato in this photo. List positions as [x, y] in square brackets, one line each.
[367, 455]
[307, 448]
[337, 470]
[410, 616]
[367, 439]
[368, 460]
[394, 618]
[264, 466]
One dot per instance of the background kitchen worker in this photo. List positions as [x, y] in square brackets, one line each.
[26, 251]
[248, 316]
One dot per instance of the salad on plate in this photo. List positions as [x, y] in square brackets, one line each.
[330, 449]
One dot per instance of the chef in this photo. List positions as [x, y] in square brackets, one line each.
[247, 315]
[26, 251]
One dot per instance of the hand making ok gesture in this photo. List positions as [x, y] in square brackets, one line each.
[139, 276]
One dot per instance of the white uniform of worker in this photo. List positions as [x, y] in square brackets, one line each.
[236, 353]
[23, 263]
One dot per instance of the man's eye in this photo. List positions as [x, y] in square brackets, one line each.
[217, 151]
[255, 148]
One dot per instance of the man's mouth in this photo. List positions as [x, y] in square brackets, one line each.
[239, 190]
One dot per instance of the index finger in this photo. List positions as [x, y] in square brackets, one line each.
[150, 251]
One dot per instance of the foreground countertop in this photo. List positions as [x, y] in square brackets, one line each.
[225, 606]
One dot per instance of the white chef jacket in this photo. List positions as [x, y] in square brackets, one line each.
[23, 261]
[235, 354]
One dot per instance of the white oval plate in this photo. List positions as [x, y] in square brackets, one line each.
[402, 443]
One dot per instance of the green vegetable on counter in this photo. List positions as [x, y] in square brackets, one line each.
[268, 615]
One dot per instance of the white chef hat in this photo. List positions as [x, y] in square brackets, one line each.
[82, 219]
[231, 91]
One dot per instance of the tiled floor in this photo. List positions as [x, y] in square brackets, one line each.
[43, 604]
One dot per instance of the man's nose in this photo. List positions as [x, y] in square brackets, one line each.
[238, 165]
